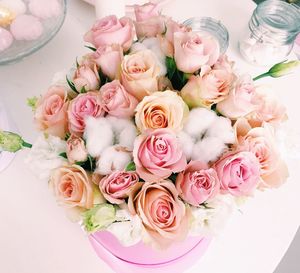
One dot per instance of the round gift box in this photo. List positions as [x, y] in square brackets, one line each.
[142, 258]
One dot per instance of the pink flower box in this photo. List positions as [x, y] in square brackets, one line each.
[142, 258]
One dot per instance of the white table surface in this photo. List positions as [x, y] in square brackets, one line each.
[35, 235]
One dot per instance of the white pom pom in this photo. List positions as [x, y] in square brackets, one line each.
[124, 131]
[187, 144]
[112, 159]
[208, 149]
[17, 6]
[137, 47]
[200, 119]
[98, 134]
[222, 129]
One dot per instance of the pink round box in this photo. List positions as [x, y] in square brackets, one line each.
[141, 258]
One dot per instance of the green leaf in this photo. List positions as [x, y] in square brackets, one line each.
[71, 84]
[171, 67]
[130, 167]
[67, 136]
[91, 48]
[32, 103]
[103, 78]
[82, 90]
[64, 155]
[77, 64]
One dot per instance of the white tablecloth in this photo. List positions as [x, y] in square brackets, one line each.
[35, 235]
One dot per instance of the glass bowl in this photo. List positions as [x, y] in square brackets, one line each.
[20, 49]
[213, 27]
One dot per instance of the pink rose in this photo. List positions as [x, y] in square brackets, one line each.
[157, 154]
[88, 104]
[224, 63]
[117, 186]
[110, 30]
[117, 101]
[269, 108]
[146, 11]
[261, 142]
[139, 73]
[193, 50]
[238, 173]
[150, 27]
[109, 59]
[87, 77]
[72, 187]
[163, 215]
[167, 40]
[76, 150]
[198, 183]
[240, 101]
[51, 112]
[208, 88]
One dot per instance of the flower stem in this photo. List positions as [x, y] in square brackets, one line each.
[261, 76]
[26, 144]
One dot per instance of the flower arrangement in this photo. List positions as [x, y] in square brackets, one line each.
[154, 139]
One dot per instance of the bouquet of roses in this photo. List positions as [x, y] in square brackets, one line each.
[154, 139]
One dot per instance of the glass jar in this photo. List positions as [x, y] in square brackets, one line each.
[213, 27]
[271, 33]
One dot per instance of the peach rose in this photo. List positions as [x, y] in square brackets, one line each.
[261, 142]
[86, 77]
[109, 59]
[51, 112]
[163, 215]
[238, 173]
[161, 110]
[193, 50]
[198, 183]
[76, 150]
[111, 30]
[117, 186]
[269, 108]
[157, 154]
[241, 99]
[139, 73]
[88, 104]
[224, 63]
[208, 88]
[72, 187]
[167, 40]
[116, 101]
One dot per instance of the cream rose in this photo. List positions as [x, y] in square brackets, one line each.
[163, 215]
[73, 187]
[161, 110]
[139, 73]
[261, 142]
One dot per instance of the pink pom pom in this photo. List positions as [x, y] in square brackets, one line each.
[6, 39]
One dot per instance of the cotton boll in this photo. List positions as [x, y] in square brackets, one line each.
[187, 143]
[222, 129]
[137, 47]
[113, 158]
[17, 6]
[124, 132]
[98, 134]
[199, 120]
[208, 149]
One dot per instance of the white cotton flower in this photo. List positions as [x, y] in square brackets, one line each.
[187, 144]
[98, 134]
[128, 229]
[124, 132]
[205, 135]
[222, 129]
[199, 120]
[212, 220]
[113, 158]
[44, 156]
[154, 45]
[208, 149]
